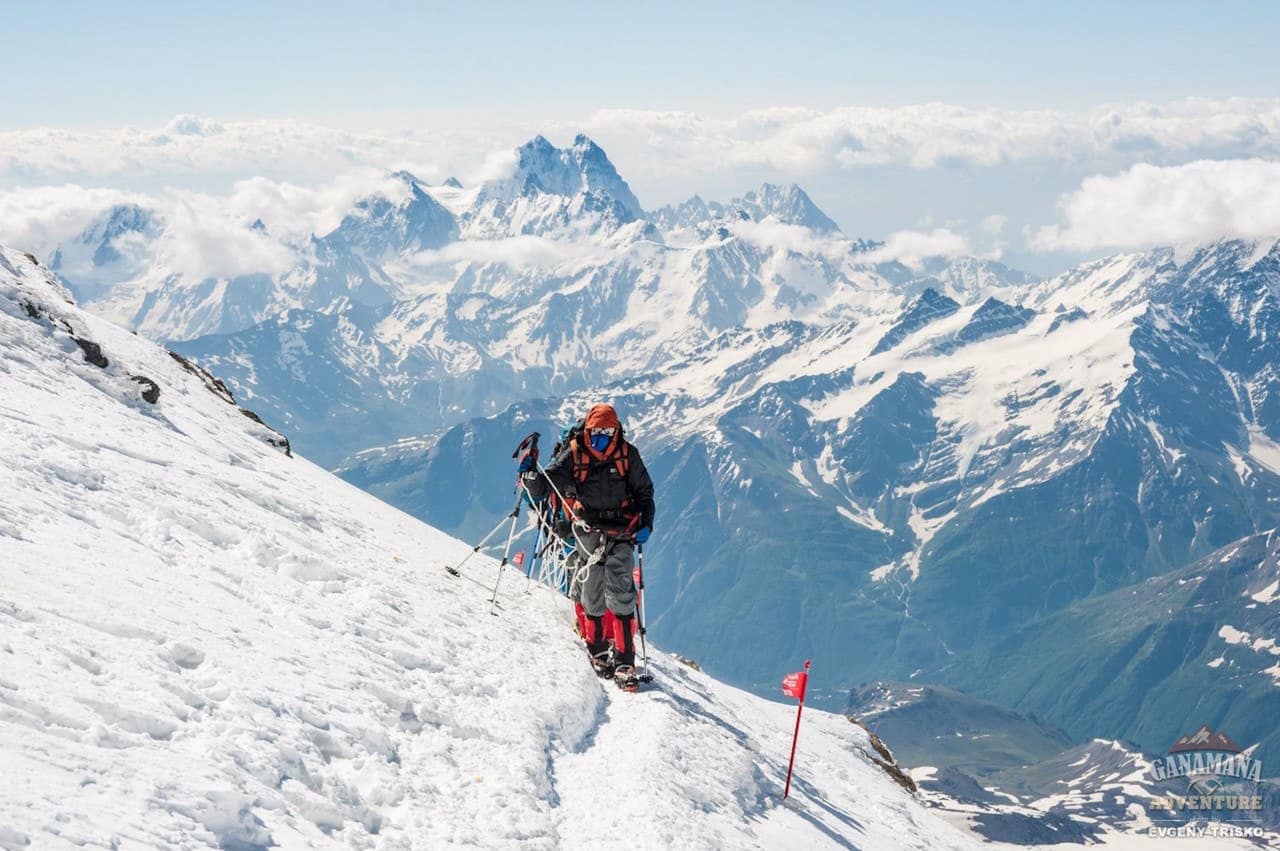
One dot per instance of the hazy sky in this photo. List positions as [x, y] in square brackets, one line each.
[989, 119]
[96, 63]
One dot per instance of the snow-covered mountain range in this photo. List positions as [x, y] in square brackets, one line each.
[208, 642]
[211, 642]
[1017, 779]
[961, 475]
[429, 304]
[942, 470]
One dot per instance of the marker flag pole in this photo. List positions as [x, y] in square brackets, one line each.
[795, 685]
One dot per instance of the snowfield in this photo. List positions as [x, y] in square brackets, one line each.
[207, 643]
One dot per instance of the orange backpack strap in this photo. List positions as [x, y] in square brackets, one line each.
[583, 461]
[581, 465]
[623, 460]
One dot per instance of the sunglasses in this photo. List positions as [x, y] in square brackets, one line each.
[605, 431]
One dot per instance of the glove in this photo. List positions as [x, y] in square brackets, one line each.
[529, 478]
[642, 537]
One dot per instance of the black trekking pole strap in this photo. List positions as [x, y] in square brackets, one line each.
[529, 442]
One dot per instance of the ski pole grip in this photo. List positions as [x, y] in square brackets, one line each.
[530, 442]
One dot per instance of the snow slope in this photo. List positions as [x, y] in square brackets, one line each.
[204, 642]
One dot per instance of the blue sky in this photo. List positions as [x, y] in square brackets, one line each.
[87, 63]
[1041, 134]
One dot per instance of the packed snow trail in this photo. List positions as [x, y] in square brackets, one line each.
[204, 642]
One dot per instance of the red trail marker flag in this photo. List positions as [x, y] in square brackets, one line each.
[794, 685]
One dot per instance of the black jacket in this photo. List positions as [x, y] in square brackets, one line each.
[605, 499]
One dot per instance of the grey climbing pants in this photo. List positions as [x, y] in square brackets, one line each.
[606, 583]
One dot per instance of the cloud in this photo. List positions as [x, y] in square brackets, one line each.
[497, 165]
[525, 252]
[773, 235]
[1190, 169]
[40, 218]
[1147, 205]
[993, 225]
[911, 247]
[651, 143]
[193, 125]
[293, 212]
[191, 146]
[940, 135]
[201, 241]
[200, 235]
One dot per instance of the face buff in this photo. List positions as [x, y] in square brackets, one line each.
[600, 438]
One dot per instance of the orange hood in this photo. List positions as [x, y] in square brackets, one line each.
[601, 416]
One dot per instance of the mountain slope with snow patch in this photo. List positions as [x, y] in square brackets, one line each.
[955, 471]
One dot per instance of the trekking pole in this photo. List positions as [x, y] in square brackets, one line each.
[506, 553]
[537, 541]
[543, 532]
[528, 446]
[644, 650]
[510, 518]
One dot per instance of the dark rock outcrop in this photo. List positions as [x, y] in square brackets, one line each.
[883, 757]
[929, 307]
[92, 351]
[276, 439]
[1073, 315]
[150, 390]
[217, 387]
[212, 382]
[992, 319]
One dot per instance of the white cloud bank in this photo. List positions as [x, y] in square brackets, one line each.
[911, 247]
[201, 235]
[939, 135]
[646, 143]
[525, 252]
[190, 147]
[1187, 171]
[1147, 205]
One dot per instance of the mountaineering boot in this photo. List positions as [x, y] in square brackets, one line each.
[624, 640]
[602, 663]
[624, 654]
[598, 646]
[624, 677]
